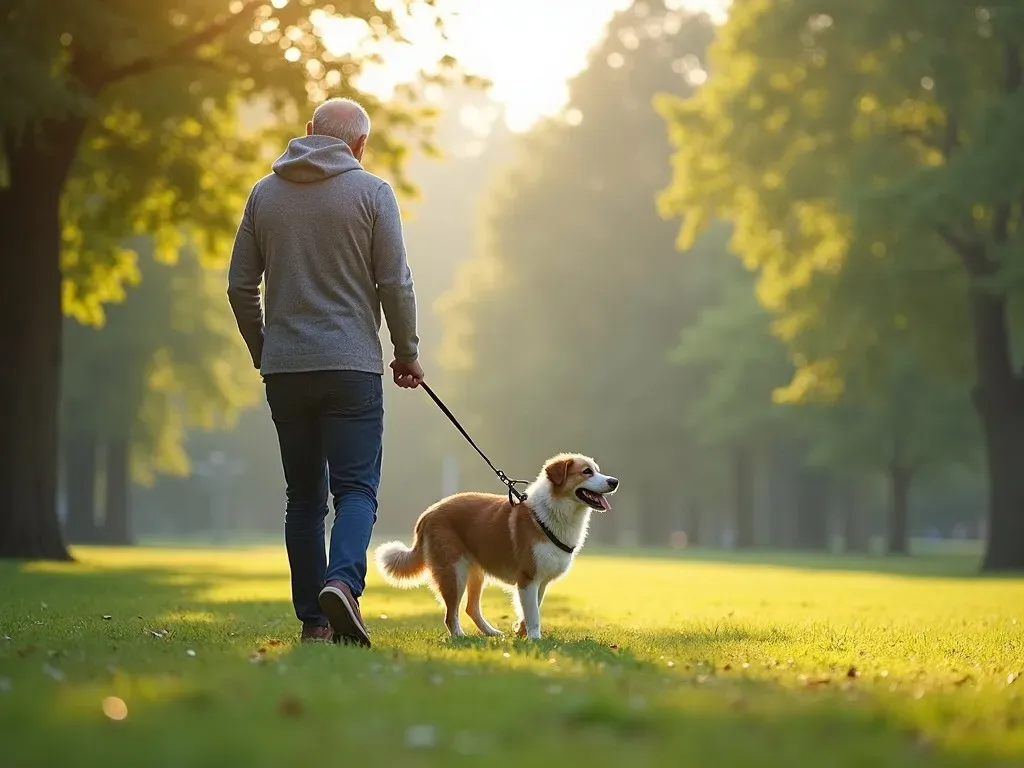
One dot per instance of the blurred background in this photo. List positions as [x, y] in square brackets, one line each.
[648, 231]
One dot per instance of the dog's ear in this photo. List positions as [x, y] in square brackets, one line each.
[558, 471]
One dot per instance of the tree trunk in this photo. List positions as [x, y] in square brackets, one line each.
[694, 529]
[117, 520]
[782, 481]
[31, 318]
[651, 528]
[812, 510]
[999, 398]
[856, 528]
[80, 473]
[743, 477]
[898, 539]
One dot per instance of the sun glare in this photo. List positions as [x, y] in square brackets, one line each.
[529, 49]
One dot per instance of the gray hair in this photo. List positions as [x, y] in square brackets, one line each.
[343, 119]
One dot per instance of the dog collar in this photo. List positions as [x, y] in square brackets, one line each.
[554, 539]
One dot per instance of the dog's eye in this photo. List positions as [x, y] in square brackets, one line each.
[588, 471]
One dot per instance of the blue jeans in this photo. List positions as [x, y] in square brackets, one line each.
[330, 425]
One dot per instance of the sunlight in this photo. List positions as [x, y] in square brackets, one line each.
[528, 49]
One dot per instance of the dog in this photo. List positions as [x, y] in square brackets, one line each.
[466, 539]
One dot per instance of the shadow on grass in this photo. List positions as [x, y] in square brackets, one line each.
[246, 693]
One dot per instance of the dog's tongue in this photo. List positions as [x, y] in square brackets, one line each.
[604, 502]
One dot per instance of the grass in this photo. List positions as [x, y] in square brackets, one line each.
[653, 661]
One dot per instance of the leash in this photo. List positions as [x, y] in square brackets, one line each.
[515, 496]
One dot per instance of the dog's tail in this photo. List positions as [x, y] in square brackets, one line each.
[400, 565]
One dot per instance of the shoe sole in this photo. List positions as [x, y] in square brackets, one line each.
[344, 620]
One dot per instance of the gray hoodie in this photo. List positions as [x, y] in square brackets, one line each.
[327, 237]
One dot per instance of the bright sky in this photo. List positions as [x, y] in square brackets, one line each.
[501, 40]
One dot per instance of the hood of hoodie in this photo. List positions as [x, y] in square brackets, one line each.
[315, 158]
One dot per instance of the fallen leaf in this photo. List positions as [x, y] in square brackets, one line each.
[274, 643]
[813, 682]
[1011, 677]
[290, 706]
[106, 617]
[671, 664]
[7, 638]
[853, 672]
[159, 633]
[614, 647]
[727, 667]
[115, 708]
[384, 617]
[53, 673]
[191, 653]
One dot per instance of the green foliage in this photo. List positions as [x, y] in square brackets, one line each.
[168, 360]
[867, 154]
[180, 103]
[737, 364]
[557, 331]
[909, 420]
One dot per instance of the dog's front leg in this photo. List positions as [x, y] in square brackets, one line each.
[529, 599]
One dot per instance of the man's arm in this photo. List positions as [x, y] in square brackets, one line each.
[244, 276]
[393, 277]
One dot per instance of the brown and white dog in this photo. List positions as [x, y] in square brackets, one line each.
[468, 538]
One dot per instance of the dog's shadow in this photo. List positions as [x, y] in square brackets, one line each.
[689, 648]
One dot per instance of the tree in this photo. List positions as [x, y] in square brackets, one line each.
[556, 331]
[883, 139]
[167, 360]
[121, 119]
[736, 366]
[901, 426]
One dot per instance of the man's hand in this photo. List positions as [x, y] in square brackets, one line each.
[407, 375]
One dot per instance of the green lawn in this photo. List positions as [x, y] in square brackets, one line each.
[657, 661]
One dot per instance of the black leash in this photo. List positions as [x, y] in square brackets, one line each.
[513, 492]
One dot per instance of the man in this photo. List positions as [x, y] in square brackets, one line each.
[327, 238]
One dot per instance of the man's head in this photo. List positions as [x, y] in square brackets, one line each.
[343, 119]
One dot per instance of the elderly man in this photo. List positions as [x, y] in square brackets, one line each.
[327, 238]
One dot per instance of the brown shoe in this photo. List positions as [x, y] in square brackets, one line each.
[342, 610]
[316, 633]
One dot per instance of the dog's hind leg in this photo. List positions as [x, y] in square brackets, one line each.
[474, 588]
[451, 585]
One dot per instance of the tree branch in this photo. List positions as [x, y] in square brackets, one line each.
[180, 52]
[971, 252]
